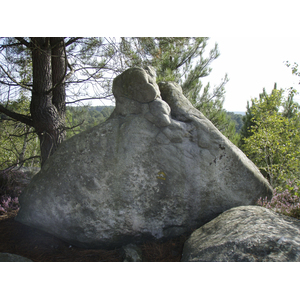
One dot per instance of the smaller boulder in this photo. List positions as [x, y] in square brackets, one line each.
[8, 257]
[245, 233]
[132, 253]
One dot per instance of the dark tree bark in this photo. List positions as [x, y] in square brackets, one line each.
[48, 96]
[48, 101]
[59, 70]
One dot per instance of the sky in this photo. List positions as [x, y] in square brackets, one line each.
[253, 63]
[265, 36]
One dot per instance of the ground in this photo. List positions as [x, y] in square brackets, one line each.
[40, 246]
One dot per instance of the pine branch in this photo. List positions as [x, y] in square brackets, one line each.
[12, 79]
[13, 84]
[23, 41]
[72, 40]
[18, 117]
[10, 45]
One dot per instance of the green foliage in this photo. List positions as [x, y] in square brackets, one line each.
[175, 59]
[18, 143]
[294, 68]
[272, 141]
[238, 119]
[248, 123]
[270, 105]
[290, 108]
[81, 118]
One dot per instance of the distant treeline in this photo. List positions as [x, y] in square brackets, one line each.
[94, 115]
[238, 119]
[80, 118]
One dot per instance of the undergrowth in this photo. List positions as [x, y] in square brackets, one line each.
[8, 204]
[286, 202]
[10, 189]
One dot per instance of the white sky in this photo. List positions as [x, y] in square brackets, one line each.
[252, 64]
[251, 61]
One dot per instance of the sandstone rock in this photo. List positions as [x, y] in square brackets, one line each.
[157, 168]
[8, 257]
[245, 234]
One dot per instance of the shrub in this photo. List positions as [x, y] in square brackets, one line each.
[286, 202]
[8, 203]
[10, 189]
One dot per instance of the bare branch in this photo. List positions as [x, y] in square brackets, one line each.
[72, 40]
[9, 45]
[12, 79]
[18, 164]
[69, 128]
[23, 41]
[13, 84]
[23, 134]
[18, 117]
[90, 98]
[70, 73]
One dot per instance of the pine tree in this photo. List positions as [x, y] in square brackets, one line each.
[44, 68]
[249, 118]
[54, 72]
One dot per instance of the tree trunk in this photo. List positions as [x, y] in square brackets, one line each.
[59, 70]
[48, 97]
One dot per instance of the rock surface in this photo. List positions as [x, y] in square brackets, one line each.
[157, 168]
[8, 257]
[245, 234]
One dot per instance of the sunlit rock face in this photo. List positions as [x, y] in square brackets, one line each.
[157, 168]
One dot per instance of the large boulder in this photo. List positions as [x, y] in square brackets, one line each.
[245, 234]
[157, 168]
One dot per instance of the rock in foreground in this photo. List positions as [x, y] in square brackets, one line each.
[8, 257]
[157, 168]
[245, 234]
